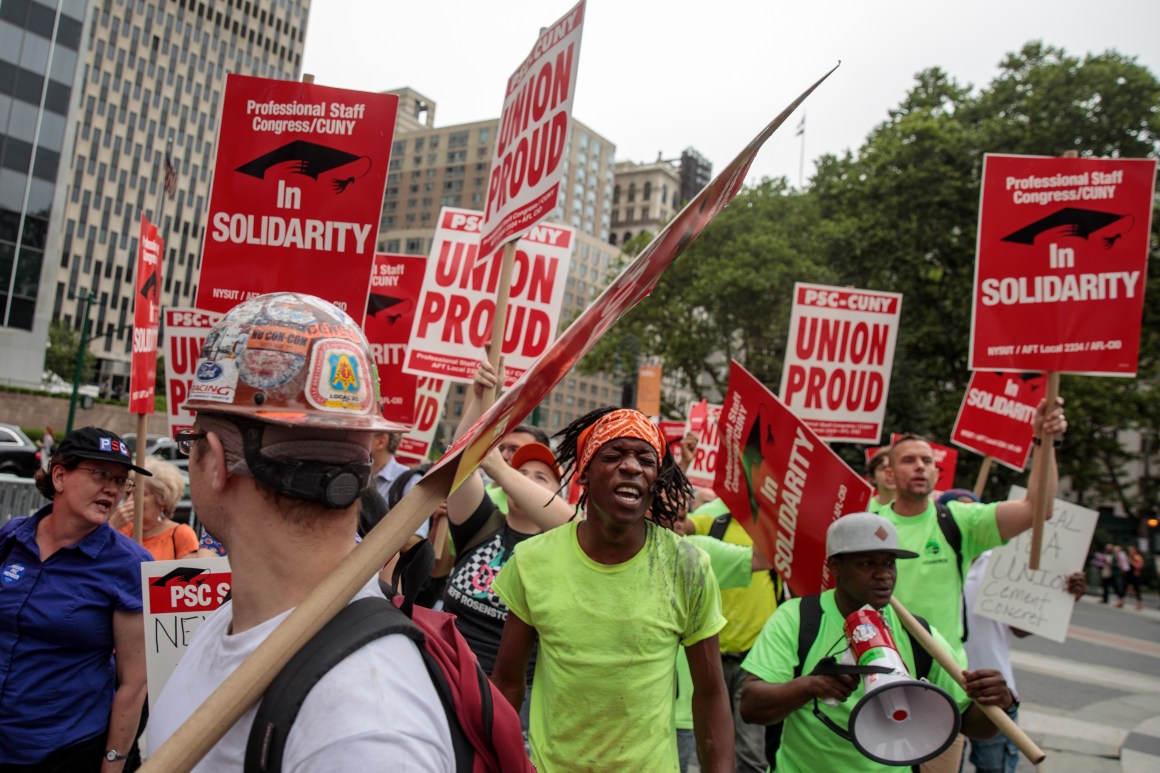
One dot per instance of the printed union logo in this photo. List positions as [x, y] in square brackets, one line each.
[863, 632]
[932, 548]
[13, 572]
[208, 371]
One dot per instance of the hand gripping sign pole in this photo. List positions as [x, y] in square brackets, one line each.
[245, 686]
[997, 716]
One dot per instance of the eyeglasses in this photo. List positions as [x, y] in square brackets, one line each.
[122, 482]
[186, 438]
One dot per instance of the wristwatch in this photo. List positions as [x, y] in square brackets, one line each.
[112, 755]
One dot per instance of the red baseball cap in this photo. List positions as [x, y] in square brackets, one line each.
[536, 452]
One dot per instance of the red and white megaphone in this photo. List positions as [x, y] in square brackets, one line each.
[900, 720]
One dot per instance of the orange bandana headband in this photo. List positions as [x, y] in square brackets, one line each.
[624, 422]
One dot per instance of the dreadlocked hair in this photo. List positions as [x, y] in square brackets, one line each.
[670, 490]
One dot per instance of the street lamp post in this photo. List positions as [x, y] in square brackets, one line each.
[88, 298]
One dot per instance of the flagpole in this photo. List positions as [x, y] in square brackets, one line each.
[142, 418]
[802, 155]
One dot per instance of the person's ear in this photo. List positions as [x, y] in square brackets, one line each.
[213, 459]
[582, 478]
[833, 563]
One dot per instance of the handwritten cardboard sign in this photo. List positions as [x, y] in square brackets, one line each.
[1037, 600]
[178, 595]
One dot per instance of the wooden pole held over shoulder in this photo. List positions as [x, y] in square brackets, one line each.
[997, 716]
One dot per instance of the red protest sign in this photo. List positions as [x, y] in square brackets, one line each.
[297, 192]
[1061, 263]
[188, 589]
[528, 161]
[395, 284]
[430, 397]
[702, 422]
[185, 332]
[838, 360]
[634, 283]
[146, 317]
[995, 416]
[945, 459]
[457, 302]
[782, 482]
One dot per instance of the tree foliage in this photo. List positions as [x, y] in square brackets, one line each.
[900, 214]
[61, 355]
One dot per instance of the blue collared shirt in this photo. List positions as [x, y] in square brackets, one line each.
[57, 674]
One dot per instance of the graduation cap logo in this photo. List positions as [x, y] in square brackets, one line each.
[183, 574]
[1077, 222]
[310, 159]
[149, 288]
[395, 308]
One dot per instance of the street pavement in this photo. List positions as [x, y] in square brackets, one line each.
[1093, 703]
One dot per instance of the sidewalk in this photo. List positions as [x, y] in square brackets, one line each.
[1097, 708]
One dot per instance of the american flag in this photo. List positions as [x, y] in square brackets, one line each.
[801, 127]
[170, 177]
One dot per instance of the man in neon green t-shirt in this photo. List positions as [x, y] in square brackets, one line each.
[861, 550]
[610, 600]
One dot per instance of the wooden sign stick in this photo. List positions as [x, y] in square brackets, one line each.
[1043, 497]
[997, 716]
[984, 473]
[139, 489]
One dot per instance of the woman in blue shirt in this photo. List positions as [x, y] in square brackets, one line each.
[72, 660]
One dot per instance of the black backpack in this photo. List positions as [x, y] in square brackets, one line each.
[810, 624]
[954, 537]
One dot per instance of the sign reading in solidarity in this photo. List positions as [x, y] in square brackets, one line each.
[177, 597]
[995, 417]
[1062, 259]
[453, 324]
[945, 460]
[782, 482]
[528, 162]
[146, 317]
[1037, 600]
[391, 306]
[297, 192]
[185, 332]
[838, 360]
[702, 422]
[430, 397]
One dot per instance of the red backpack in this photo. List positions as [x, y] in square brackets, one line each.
[485, 729]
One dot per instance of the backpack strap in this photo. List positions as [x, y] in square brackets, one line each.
[720, 525]
[357, 625]
[954, 537]
[922, 658]
[810, 624]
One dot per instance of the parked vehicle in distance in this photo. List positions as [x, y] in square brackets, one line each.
[155, 445]
[18, 454]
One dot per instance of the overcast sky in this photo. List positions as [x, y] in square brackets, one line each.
[659, 76]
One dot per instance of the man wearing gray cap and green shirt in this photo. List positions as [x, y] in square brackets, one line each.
[861, 549]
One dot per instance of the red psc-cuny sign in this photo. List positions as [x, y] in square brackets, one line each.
[297, 192]
[838, 361]
[528, 162]
[394, 297]
[995, 417]
[185, 332]
[430, 397]
[457, 304]
[1062, 259]
[188, 589]
[782, 483]
[146, 316]
[702, 422]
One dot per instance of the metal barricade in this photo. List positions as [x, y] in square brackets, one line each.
[18, 496]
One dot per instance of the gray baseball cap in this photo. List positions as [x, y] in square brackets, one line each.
[861, 533]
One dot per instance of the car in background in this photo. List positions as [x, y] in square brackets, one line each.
[155, 445]
[18, 454]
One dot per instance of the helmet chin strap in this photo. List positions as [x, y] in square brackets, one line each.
[331, 485]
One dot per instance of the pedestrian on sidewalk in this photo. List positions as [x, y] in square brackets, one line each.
[1105, 561]
[1123, 569]
[1133, 576]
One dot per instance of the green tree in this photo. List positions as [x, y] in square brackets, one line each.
[725, 298]
[61, 355]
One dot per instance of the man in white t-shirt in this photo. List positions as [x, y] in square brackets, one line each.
[287, 404]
